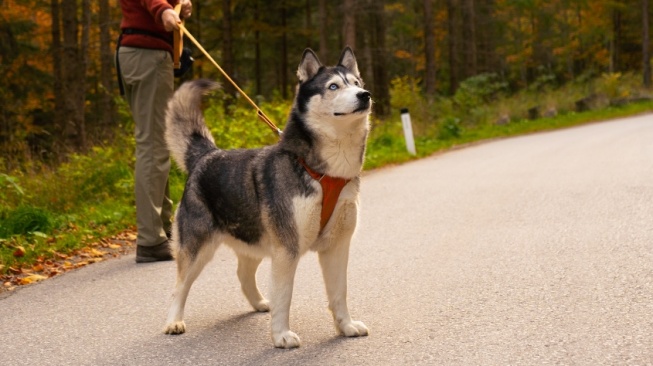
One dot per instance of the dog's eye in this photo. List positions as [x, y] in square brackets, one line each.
[357, 83]
[333, 86]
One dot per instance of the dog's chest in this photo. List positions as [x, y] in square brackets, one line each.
[308, 215]
[306, 212]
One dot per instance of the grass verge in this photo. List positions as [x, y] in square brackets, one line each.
[52, 221]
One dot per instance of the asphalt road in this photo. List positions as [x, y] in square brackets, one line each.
[531, 250]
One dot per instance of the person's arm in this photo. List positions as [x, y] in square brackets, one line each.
[163, 12]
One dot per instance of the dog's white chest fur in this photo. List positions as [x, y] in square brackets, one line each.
[307, 211]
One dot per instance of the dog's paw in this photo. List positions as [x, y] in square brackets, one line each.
[175, 328]
[354, 329]
[263, 306]
[287, 339]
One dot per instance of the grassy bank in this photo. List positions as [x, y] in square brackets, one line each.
[52, 213]
[386, 145]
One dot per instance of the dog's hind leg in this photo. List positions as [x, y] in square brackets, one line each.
[284, 266]
[334, 270]
[188, 268]
[247, 267]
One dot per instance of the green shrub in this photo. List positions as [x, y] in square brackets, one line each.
[241, 127]
[449, 129]
[405, 92]
[478, 90]
[25, 220]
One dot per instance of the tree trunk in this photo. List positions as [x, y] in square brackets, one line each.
[74, 73]
[349, 23]
[323, 30]
[257, 48]
[452, 27]
[309, 23]
[227, 52]
[429, 48]
[646, 44]
[284, 51]
[80, 105]
[380, 86]
[488, 38]
[469, 38]
[107, 109]
[615, 41]
[197, 20]
[56, 52]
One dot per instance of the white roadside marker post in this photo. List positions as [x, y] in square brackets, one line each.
[408, 131]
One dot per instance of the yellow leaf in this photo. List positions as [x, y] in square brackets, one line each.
[111, 246]
[95, 253]
[31, 279]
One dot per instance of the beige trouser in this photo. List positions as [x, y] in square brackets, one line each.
[149, 82]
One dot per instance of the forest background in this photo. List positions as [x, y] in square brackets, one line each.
[460, 66]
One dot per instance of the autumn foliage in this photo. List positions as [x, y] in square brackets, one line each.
[59, 89]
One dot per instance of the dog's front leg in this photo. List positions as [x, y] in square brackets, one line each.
[334, 270]
[283, 276]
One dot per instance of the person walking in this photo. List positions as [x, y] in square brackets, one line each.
[145, 75]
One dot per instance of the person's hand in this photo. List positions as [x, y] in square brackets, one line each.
[170, 20]
[186, 8]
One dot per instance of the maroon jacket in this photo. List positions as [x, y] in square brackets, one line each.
[146, 15]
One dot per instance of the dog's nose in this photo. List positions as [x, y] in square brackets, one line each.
[364, 96]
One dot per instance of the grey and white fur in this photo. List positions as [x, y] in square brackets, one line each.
[263, 202]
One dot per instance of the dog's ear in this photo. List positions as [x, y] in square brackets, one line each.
[309, 66]
[348, 60]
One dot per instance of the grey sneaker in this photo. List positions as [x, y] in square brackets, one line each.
[161, 252]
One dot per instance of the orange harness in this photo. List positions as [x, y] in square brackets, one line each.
[331, 188]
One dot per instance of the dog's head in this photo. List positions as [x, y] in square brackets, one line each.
[332, 99]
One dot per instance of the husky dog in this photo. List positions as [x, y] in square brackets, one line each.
[273, 201]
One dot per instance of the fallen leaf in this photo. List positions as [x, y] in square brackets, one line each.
[15, 270]
[31, 279]
[38, 268]
[19, 252]
[95, 253]
[112, 246]
[40, 234]
[53, 273]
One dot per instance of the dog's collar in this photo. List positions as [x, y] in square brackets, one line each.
[331, 188]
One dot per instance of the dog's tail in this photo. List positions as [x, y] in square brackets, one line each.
[187, 136]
